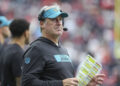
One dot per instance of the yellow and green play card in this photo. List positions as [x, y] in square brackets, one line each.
[87, 70]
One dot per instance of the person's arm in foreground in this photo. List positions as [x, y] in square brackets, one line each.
[16, 67]
[18, 79]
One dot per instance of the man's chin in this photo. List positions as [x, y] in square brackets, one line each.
[59, 34]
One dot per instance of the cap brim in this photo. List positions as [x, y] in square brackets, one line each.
[62, 14]
[9, 22]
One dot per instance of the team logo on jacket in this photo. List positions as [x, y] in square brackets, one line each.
[62, 58]
[27, 60]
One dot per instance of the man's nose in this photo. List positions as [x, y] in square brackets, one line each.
[58, 21]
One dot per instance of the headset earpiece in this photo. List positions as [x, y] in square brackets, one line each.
[41, 17]
[0, 22]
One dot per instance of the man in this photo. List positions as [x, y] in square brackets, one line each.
[4, 30]
[47, 63]
[4, 34]
[12, 54]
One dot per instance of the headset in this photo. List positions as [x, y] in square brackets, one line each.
[0, 22]
[41, 18]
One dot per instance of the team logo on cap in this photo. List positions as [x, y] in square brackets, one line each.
[55, 10]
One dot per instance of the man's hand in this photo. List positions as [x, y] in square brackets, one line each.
[97, 80]
[70, 82]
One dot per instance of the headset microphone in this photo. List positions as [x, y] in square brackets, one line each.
[65, 29]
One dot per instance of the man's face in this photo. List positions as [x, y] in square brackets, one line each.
[53, 27]
[5, 32]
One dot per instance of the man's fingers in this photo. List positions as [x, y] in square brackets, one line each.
[74, 82]
[100, 75]
[70, 82]
[99, 80]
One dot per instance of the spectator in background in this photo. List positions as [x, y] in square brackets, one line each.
[4, 30]
[47, 63]
[4, 34]
[12, 54]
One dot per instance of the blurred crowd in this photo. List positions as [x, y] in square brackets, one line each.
[90, 29]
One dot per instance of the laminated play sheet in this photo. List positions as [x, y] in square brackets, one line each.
[87, 70]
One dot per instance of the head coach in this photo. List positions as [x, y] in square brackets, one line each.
[46, 62]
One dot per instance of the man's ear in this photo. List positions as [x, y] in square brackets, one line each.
[26, 33]
[27, 36]
[42, 24]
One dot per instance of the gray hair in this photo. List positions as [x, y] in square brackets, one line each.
[46, 7]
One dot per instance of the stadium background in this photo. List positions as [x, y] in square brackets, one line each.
[91, 29]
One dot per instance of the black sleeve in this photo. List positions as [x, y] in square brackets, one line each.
[16, 63]
[33, 67]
